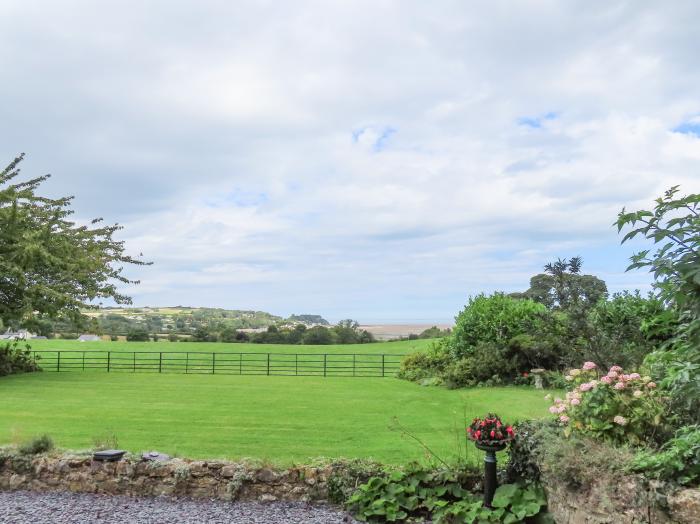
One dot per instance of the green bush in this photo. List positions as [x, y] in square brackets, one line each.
[524, 452]
[37, 445]
[138, 334]
[577, 462]
[422, 365]
[16, 358]
[677, 461]
[493, 319]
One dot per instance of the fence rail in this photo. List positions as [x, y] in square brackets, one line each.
[198, 362]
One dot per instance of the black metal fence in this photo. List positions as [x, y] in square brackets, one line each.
[280, 364]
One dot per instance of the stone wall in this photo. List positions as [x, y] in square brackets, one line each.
[175, 477]
[628, 501]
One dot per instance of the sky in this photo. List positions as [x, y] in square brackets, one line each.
[376, 160]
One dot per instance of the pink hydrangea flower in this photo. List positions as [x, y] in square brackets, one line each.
[564, 419]
[616, 369]
[651, 385]
[619, 385]
[612, 374]
[606, 379]
[620, 420]
[635, 376]
[575, 402]
[586, 386]
[553, 410]
[637, 394]
[587, 366]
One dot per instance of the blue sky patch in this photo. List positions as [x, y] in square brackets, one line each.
[536, 122]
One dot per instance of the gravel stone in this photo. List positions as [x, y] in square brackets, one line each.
[27, 507]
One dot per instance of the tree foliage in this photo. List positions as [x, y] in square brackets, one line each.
[49, 264]
[674, 227]
[562, 286]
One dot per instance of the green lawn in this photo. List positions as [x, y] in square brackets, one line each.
[278, 419]
[393, 348]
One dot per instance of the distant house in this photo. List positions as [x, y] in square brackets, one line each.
[89, 338]
[22, 334]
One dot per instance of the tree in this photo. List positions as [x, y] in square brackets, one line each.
[138, 334]
[674, 226]
[50, 265]
[562, 286]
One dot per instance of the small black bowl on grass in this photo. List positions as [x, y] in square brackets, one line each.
[491, 435]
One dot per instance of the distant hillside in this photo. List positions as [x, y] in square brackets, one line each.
[316, 320]
[179, 320]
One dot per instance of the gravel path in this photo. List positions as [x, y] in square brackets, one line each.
[20, 507]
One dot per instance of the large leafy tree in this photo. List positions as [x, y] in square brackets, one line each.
[562, 286]
[49, 265]
[674, 227]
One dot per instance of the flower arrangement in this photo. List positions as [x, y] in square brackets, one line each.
[613, 405]
[490, 431]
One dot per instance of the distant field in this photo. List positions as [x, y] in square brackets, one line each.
[389, 348]
[391, 331]
[278, 419]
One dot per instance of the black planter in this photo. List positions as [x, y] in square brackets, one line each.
[490, 480]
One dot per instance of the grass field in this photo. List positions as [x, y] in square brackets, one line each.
[277, 419]
[393, 348]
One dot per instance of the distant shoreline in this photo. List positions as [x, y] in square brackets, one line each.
[388, 331]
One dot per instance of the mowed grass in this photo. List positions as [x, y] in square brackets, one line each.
[277, 419]
[389, 348]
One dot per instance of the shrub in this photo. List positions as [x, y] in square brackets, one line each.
[579, 461]
[137, 335]
[524, 453]
[618, 407]
[678, 460]
[422, 365]
[493, 319]
[37, 445]
[16, 358]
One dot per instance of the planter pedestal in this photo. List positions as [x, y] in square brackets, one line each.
[490, 479]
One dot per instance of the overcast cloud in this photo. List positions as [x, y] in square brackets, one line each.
[377, 160]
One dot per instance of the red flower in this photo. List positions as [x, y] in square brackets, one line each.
[493, 434]
[526, 374]
[509, 430]
[478, 434]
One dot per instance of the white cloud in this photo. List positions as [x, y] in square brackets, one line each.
[378, 160]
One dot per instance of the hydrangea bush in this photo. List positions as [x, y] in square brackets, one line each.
[613, 405]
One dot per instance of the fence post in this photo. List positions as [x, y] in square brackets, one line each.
[134, 362]
[187, 362]
[296, 364]
[382, 365]
[240, 363]
[268, 364]
[325, 355]
[83, 360]
[58, 362]
[160, 362]
[353, 364]
[109, 358]
[213, 363]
